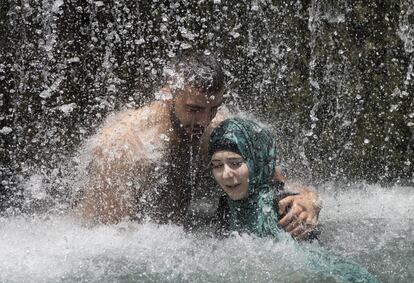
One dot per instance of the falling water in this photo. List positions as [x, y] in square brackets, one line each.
[406, 33]
[334, 80]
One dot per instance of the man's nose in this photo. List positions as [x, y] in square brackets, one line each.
[204, 118]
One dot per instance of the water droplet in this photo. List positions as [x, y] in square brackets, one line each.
[266, 209]
[6, 130]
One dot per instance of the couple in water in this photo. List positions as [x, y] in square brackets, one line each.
[156, 162]
[152, 161]
[243, 162]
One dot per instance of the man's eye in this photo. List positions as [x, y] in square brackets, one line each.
[194, 110]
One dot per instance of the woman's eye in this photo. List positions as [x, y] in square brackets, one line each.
[235, 164]
[215, 166]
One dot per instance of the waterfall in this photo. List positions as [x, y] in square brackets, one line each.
[334, 80]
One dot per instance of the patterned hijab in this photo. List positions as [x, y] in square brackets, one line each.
[256, 145]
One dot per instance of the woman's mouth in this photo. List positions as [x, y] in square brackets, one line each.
[231, 187]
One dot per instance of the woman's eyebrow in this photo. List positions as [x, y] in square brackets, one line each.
[235, 158]
[228, 159]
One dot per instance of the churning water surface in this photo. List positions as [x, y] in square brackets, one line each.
[368, 224]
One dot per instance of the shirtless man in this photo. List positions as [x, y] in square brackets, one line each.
[151, 161]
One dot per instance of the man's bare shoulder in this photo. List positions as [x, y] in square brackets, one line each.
[135, 130]
[136, 120]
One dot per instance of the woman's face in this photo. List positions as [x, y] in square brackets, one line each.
[231, 173]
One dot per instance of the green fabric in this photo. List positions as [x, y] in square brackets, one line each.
[256, 214]
[257, 146]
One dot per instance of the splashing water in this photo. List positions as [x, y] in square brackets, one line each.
[329, 74]
[369, 224]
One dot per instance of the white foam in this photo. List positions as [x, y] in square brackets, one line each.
[57, 248]
[359, 223]
[366, 201]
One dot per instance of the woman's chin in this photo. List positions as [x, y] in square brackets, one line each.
[237, 197]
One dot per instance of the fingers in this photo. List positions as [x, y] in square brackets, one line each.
[293, 226]
[301, 220]
[300, 226]
[292, 215]
[284, 204]
[303, 230]
[297, 224]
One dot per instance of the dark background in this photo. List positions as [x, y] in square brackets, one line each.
[335, 80]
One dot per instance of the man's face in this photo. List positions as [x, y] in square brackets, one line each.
[195, 110]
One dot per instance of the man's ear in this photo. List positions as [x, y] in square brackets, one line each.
[279, 175]
[165, 89]
[165, 93]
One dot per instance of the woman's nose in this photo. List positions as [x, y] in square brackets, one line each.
[227, 172]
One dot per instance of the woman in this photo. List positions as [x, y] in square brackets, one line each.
[243, 160]
[250, 152]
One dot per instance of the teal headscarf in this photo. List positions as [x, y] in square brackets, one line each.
[256, 214]
[257, 146]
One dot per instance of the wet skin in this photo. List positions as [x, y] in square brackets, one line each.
[131, 133]
[195, 110]
[231, 173]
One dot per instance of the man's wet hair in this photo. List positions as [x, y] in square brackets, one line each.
[197, 70]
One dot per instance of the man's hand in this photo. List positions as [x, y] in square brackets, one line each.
[300, 213]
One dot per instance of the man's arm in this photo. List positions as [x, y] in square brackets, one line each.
[106, 205]
[110, 194]
[115, 177]
[300, 212]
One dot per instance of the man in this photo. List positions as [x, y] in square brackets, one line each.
[151, 161]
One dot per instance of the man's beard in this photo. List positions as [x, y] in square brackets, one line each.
[194, 131]
[190, 134]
